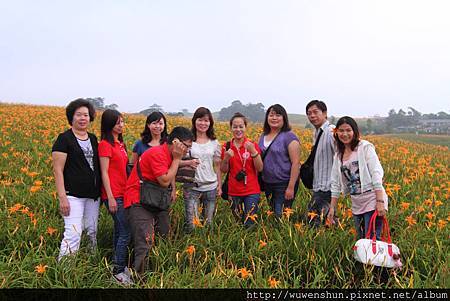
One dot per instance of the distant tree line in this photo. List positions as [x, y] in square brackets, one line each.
[99, 103]
[254, 112]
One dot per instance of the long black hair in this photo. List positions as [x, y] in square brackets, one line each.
[355, 141]
[109, 121]
[200, 113]
[146, 135]
[279, 109]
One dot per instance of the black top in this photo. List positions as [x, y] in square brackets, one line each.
[79, 178]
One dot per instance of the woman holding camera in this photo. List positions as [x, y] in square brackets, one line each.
[241, 158]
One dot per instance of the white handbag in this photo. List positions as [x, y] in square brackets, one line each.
[382, 253]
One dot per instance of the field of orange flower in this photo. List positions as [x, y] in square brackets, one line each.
[282, 253]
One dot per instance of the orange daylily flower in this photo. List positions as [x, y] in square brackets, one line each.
[288, 212]
[196, 222]
[244, 273]
[273, 283]
[51, 231]
[40, 269]
[441, 224]
[411, 221]
[190, 250]
[404, 205]
[312, 215]
[15, 208]
[262, 244]
[429, 215]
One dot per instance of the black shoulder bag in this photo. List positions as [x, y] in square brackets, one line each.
[224, 194]
[307, 168]
[153, 197]
[262, 185]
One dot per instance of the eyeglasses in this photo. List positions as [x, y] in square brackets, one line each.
[187, 146]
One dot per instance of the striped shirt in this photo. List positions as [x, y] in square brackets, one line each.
[323, 162]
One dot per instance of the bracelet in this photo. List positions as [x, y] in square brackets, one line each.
[380, 201]
[254, 156]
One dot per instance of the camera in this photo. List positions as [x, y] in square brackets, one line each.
[241, 175]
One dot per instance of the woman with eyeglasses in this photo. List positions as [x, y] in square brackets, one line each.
[357, 171]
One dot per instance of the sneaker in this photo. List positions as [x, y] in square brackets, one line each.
[123, 279]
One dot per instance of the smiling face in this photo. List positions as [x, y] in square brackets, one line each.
[202, 124]
[316, 116]
[81, 120]
[156, 127]
[275, 120]
[238, 128]
[345, 134]
[118, 128]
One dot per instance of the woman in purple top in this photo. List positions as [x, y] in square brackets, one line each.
[281, 160]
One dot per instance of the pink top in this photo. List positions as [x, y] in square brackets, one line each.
[362, 202]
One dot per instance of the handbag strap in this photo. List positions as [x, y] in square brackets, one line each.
[312, 155]
[386, 233]
[138, 169]
[268, 148]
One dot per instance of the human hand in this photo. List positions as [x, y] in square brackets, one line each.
[64, 206]
[250, 146]
[178, 149]
[289, 193]
[112, 205]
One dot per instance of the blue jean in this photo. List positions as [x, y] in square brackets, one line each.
[192, 198]
[275, 196]
[121, 237]
[250, 207]
[362, 224]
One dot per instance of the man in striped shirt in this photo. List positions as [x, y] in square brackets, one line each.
[316, 111]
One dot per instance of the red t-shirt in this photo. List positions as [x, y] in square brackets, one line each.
[236, 163]
[117, 170]
[154, 163]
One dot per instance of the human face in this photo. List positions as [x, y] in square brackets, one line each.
[345, 134]
[316, 116]
[202, 124]
[157, 127]
[275, 120]
[118, 128]
[188, 145]
[238, 128]
[81, 119]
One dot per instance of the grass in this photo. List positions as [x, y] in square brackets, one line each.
[291, 255]
[443, 140]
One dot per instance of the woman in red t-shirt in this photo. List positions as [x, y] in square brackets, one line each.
[243, 162]
[113, 161]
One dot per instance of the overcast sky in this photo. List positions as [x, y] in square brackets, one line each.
[361, 57]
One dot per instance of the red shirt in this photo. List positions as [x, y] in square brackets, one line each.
[154, 163]
[117, 170]
[236, 163]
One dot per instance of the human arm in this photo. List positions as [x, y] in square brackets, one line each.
[217, 170]
[104, 166]
[59, 160]
[134, 157]
[294, 156]
[178, 150]
[255, 153]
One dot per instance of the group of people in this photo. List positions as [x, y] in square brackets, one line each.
[88, 173]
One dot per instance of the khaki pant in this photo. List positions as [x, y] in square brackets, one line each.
[143, 223]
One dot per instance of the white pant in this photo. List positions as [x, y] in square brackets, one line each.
[83, 216]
